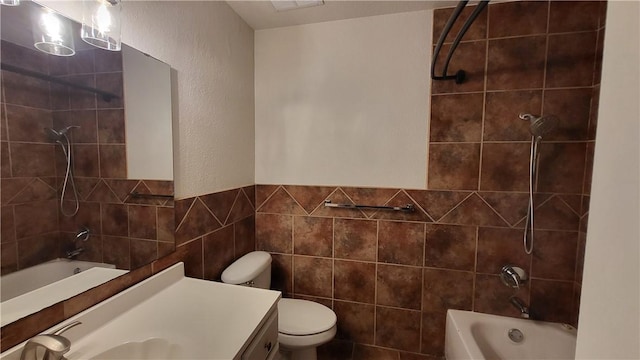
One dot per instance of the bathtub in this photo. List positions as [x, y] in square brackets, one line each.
[472, 335]
[32, 289]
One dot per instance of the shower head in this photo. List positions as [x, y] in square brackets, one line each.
[540, 125]
[56, 135]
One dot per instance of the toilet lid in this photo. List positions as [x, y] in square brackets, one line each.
[303, 317]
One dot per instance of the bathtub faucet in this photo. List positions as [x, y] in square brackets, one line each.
[71, 254]
[519, 304]
[82, 235]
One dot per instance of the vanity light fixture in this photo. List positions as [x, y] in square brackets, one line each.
[52, 33]
[284, 5]
[10, 2]
[101, 23]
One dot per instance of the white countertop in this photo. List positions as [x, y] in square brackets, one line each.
[188, 318]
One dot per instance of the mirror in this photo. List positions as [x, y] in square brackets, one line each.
[120, 177]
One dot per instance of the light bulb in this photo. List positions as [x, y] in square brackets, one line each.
[102, 19]
[10, 2]
[101, 24]
[52, 33]
[50, 25]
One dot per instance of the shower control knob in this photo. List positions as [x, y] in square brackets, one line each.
[512, 276]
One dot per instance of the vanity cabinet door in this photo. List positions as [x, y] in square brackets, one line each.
[265, 345]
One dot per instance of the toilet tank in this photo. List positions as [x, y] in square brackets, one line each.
[253, 269]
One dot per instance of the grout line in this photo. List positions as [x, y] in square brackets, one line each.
[258, 206]
[293, 234]
[457, 205]
[293, 261]
[546, 32]
[296, 201]
[186, 213]
[484, 105]
[546, 58]
[424, 260]
[375, 285]
[513, 90]
[333, 262]
[235, 247]
[235, 200]
[494, 210]
[322, 203]
[209, 210]
[475, 270]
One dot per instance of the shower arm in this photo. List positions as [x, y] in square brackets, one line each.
[460, 75]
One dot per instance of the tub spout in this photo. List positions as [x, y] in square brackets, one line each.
[74, 253]
[519, 304]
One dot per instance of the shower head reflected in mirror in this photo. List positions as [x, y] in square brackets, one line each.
[57, 135]
[540, 125]
[60, 137]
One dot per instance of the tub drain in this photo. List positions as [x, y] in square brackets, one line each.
[516, 335]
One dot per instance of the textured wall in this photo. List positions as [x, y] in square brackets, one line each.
[332, 96]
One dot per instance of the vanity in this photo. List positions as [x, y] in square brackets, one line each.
[170, 316]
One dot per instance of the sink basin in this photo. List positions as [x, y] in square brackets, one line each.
[151, 349]
[471, 335]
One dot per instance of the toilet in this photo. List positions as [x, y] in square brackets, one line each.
[302, 325]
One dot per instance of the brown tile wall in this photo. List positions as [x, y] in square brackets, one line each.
[390, 276]
[126, 231]
[28, 176]
[213, 230]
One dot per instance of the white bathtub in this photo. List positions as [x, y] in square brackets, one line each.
[32, 289]
[471, 335]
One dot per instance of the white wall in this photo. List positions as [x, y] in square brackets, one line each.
[610, 301]
[211, 50]
[344, 102]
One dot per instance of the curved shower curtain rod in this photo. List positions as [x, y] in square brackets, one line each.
[460, 75]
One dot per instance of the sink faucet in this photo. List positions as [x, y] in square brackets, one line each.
[519, 304]
[55, 344]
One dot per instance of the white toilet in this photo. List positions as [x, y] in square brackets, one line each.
[302, 325]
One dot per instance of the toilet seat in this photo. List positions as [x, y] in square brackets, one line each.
[302, 317]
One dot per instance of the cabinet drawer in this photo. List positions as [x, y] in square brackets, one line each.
[266, 342]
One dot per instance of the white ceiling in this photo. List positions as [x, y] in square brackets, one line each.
[261, 14]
